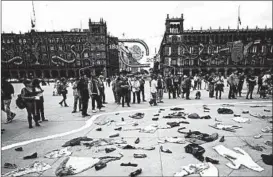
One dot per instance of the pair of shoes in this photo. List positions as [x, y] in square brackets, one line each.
[74, 111]
[66, 105]
[8, 121]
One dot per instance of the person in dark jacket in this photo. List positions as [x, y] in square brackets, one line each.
[142, 91]
[63, 89]
[160, 87]
[241, 83]
[84, 94]
[260, 82]
[169, 83]
[176, 85]
[39, 102]
[6, 91]
[124, 91]
[211, 85]
[95, 93]
[251, 82]
[187, 87]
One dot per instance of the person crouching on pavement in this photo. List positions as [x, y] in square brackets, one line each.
[76, 94]
[160, 87]
[39, 102]
[136, 90]
[95, 93]
[29, 98]
[153, 91]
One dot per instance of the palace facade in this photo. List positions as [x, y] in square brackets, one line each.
[214, 50]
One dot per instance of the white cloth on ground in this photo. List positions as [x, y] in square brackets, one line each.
[36, 167]
[204, 169]
[172, 140]
[241, 119]
[237, 159]
[58, 153]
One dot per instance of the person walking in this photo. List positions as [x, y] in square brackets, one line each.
[84, 94]
[219, 88]
[251, 82]
[135, 90]
[95, 93]
[124, 91]
[63, 90]
[153, 91]
[77, 96]
[29, 96]
[39, 101]
[7, 90]
[101, 89]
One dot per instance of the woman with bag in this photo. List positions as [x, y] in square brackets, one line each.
[29, 96]
[219, 88]
[63, 88]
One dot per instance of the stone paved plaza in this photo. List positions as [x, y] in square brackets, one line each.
[50, 135]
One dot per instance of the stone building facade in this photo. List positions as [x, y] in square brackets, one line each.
[213, 50]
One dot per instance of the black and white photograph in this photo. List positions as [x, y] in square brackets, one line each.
[136, 88]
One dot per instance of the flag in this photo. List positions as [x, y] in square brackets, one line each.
[239, 21]
[32, 24]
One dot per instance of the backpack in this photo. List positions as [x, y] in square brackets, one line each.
[20, 103]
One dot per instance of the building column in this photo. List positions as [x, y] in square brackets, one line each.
[190, 72]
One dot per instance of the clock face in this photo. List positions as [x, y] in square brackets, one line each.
[136, 52]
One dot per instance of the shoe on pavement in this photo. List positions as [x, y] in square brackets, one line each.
[94, 111]
[33, 156]
[8, 121]
[74, 111]
[222, 139]
[165, 150]
[137, 141]
[18, 149]
[100, 165]
[211, 160]
[135, 173]
[10, 166]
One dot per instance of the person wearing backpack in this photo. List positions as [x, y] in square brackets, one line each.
[6, 91]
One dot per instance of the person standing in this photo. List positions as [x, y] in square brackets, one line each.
[241, 83]
[153, 91]
[135, 90]
[102, 90]
[195, 78]
[251, 82]
[160, 87]
[77, 96]
[28, 95]
[206, 78]
[265, 83]
[219, 88]
[6, 91]
[84, 93]
[94, 92]
[118, 89]
[169, 83]
[211, 85]
[114, 89]
[142, 88]
[125, 91]
[236, 80]
[63, 90]
[199, 82]
[40, 100]
[108, 80]
[187, 86]
[176, 84]
[231, 83]
[129, 88]
[260, 82]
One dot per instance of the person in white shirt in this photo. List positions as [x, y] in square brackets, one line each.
[135, 90]
[153, 91]
[265, 82]
[219, 88]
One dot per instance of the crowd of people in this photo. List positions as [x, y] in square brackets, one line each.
[130, 89]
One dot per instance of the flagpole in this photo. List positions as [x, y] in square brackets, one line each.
[238, 18]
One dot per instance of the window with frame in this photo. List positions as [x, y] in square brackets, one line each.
[85, 55]
[51, 48]
[174, 62]
[43, 48]
[78, 63]
[60, 48]
[179, 61]
[174, 50]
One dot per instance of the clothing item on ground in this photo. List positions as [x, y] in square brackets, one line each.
[129, 164]
[137, 141]
[224, 111]
[108, 150]
[267, 130]
[176, 115]
[245, 112]
[222, 139]
[204, 169]
[196, 150]
[255, 147]
[74, 165]
[176, 124]
[267, 159]
[98, 129]
[137, 115]
[258, 136]
[135, 173]
[118, 129]
[100, 165]
[213, 161]
[104, 122]
[228, 105]
[32, 156]
[260, 116]
[107, 159]
[194, 116]
[165, 150]
[58, 153]
[114, 135]
[176, 109]
[10, 166]
[241, 119]
[36, 167]
[140, 155]
[197, 137]
[221, 126]
[155, 118]
[268, 143]
[76, 141]
[18, 149]
[237, 159]
[104, 142]
[128, 146]
[133, 123]
[148, 129]
[172, 140]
